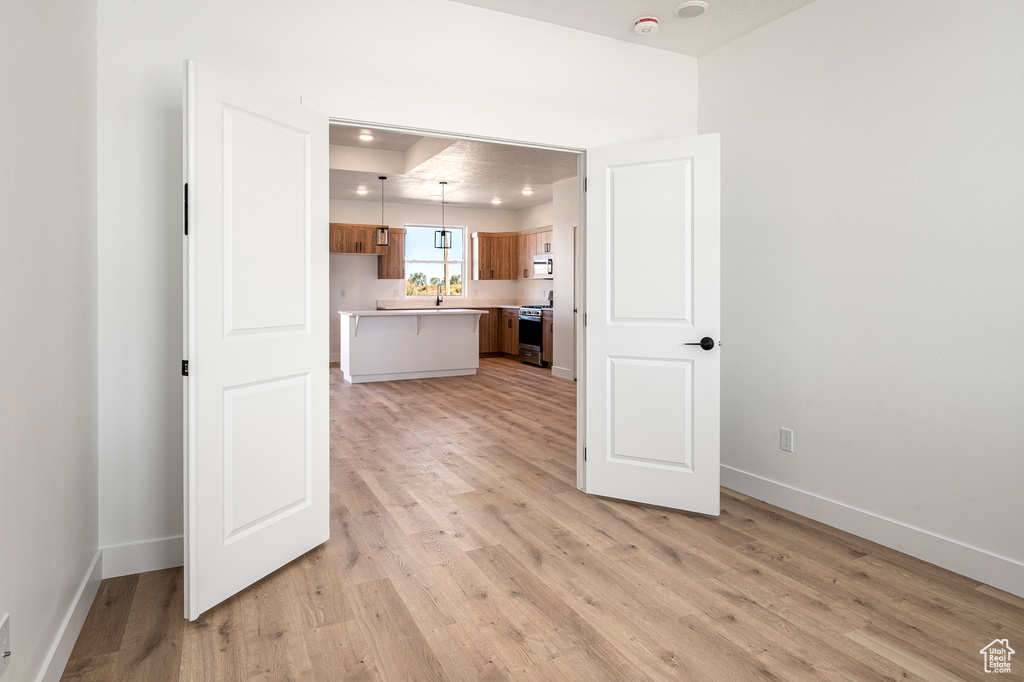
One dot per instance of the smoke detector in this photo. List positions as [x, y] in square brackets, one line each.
[645, 26]
[691, 9]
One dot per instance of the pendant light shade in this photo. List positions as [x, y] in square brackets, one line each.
[442, 237]
[383, 232]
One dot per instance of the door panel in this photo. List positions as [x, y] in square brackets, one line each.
[652, 402]
[256, 422]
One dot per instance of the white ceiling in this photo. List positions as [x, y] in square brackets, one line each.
[476, 172]
[724, 21]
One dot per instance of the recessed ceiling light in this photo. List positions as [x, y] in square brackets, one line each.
[362, 190]
[527, 191]
[691, 9]
[495, 200]
[366, 136]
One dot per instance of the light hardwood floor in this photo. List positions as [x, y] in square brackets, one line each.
[461, 550]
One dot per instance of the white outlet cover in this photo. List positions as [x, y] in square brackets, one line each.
[5, 642]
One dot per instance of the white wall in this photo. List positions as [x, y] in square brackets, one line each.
[416, 59]
[873, 206]
[566, 213]
[48, 458]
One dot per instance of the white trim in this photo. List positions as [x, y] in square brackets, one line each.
[1001, 572]
[398, 376]
[444, 124]
[60, 651]
[561, 372]
[140, 557]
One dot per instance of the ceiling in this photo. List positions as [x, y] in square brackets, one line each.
[724, 21]
[476, 172]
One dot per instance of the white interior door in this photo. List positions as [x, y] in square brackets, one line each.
[653, 287]
[257, 341]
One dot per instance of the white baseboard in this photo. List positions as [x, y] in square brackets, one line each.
[140, 557]
[1006, 574]
[60, 651]
[562, 372]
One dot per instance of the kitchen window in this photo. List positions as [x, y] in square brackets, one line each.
[431, 271]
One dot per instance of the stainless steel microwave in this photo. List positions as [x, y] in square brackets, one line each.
[542, 267]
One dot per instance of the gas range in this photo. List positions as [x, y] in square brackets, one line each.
[533, 309]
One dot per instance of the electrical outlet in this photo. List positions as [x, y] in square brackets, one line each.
[5, 643]
[786, 439]
[343, 293]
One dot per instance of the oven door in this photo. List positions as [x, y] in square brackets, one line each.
[530, 339]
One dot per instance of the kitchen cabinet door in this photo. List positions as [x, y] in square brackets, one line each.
[510, 332]
[391, 265]
[543, 245]
[527, 247]
[352, 238]
[495, 255]
[490, 331]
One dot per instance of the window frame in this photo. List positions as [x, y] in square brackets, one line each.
[447, 284]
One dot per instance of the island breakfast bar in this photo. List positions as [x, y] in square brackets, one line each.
[387, 345]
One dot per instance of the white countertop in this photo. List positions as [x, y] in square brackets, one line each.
[467, 306]
[412, 311]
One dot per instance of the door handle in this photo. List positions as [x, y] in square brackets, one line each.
[707, 343]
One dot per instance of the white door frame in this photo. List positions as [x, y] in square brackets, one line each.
[579, 270]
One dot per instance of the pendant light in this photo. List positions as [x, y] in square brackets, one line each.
[442, 237]
[383, 232]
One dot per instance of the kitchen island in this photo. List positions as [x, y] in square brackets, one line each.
[388, 345]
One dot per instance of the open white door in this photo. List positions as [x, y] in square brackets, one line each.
[257, 340]
[653, 288]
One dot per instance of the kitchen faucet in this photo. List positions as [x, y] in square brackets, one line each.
[439, 297]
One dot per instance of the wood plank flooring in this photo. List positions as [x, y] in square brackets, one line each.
[461, 550]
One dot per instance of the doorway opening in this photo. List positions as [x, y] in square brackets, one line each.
[526, 198]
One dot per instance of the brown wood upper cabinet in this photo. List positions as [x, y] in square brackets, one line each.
[507, 255]
[531, 245]
[353, 238]
[495, 255]
[391, 264]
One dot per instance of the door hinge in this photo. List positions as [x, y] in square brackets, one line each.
[584, 453]
[584, 319]
[186, 209]
[184, 368]
[584, 184]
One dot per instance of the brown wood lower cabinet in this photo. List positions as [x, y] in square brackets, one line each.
[490, 326]
[547, 329]
[510, 332]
